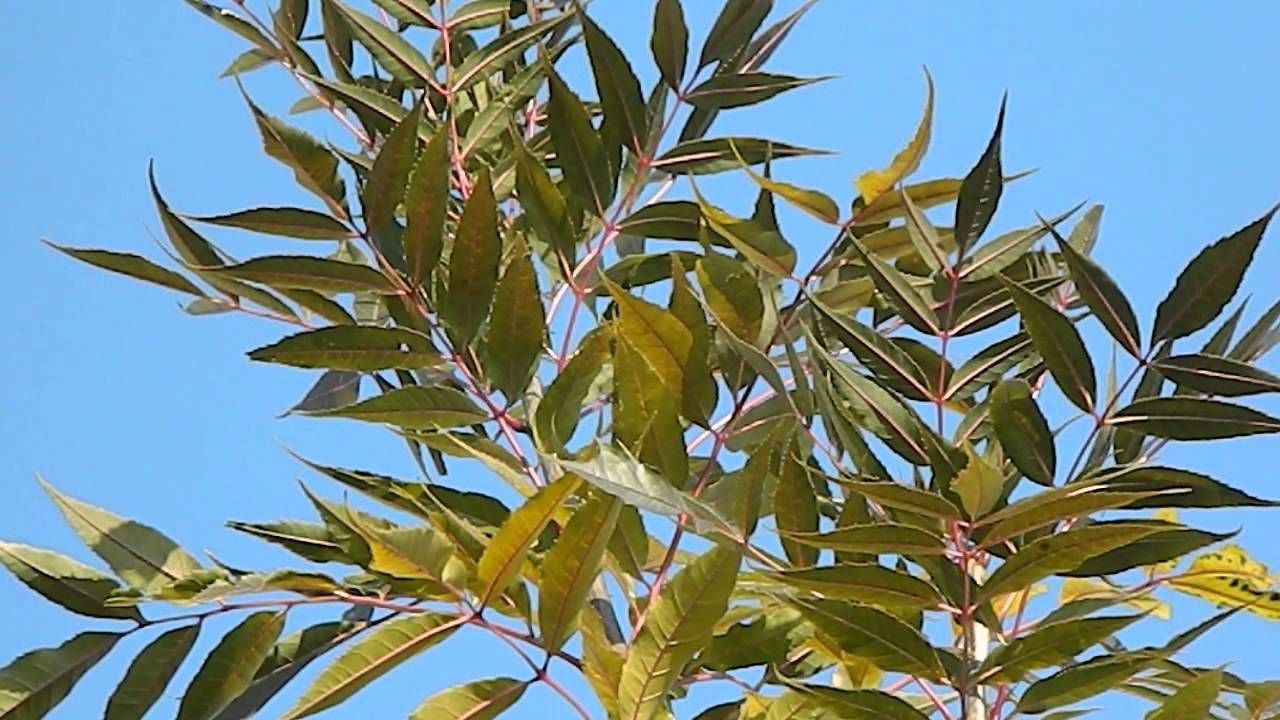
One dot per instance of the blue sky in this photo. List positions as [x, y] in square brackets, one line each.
[120, 399]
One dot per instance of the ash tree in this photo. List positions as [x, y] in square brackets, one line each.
[725, 467]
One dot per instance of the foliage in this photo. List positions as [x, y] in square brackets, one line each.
[728, 469]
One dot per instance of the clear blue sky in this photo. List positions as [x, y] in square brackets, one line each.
[1164, 112]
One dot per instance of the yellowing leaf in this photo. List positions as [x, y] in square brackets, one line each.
[1073, 589]
[1229, 577]
[874, 183]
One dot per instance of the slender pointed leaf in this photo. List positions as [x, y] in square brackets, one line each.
[571, 567]
[229, 668]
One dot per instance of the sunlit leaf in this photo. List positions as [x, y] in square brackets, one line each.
[476, 700]
[229, 668]
[882, 639]
[76, 587]
[413, 408]
[1229, 577]
[1050, 645]
[570, 568]
[36, 682]
[506, 552]
[351, 347]
[1060, 553]
[149, 674]
[874, 183]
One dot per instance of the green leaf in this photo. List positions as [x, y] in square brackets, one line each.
[142, 556]
[1167, 544]
[1078, 682]
[1217, 375]
[311, 541]
[426, 203]
[1177, 488]
[135, 266]
[732, 90]
[1194, 699]
[771, 634]
[478, 65]
[191, 247]
[880, 537]
[860, 703]
[308, 273]
[989, 366]
[795, 509]
[385, 186]
[678, 625]
[1050, 645]
[617, 87]
[473, 264]
[229, 668]
[815, 203]
[476, 700]
[874, 183]
[704, 157]
[578, 148]
[1059, 343]
[979, 485]
[1049, 507]
[544, 206]
[872, 584]
[517, 329]
[571, 566]
[887, 361]
[1208, 282]
[911, 306]
[413, 408]
[32, 685]
[670, 42]
[698, 394]
[351, 347]
[1060, 553]
[314, 167]
[1103, 296]
[76, 587]
[372, 657]
[980, 191]
[505, 555]
[1193, 419]
[883, 414]
[874, 635]
[903, 497]
[149, 674]
[233, 22]
[1007, 249]
[737, 22]
[290, 656]
[558, 413]
[732, 294]
[1023, 431]
[282, 221]
[395, 54]
[924, 195]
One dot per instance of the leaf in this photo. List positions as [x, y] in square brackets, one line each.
[923, 195]
[989, 366]
[670, 42]
[769, 635]
[335, 388]
[149, 674]
[733, 296]
[678, 625]
[870, 584]
[557, 415]
[737, 22]
[1229, 577]
[978, 485]
[698, 392]
[1008, 249]
[233, 22]
[36, 682]
[76, 587]
[288, 657]
[879, 537]
[135, 266]
[1058, 554]
[874, 183]
[1059, 343]
[385, 186]
[1047, 508]
[1208, 282]
[413, 408]
[795, 509]
[578, 148]
[361, 348]
[425, 206]
[1194, 699]
[980, 191]
[911, 306]
[904, 498]
[1049, 645]
[191, 247]
[571, 566]
[815, 203]
[602, 663]
[880, 638]
[1172, 487]
[861, 703]
[517, 329]
[478, 65]
[476, 700]
[307, 272]
[229, 668]
[473, 264]
[308, 540]
[282, 221]
[505, 555]
[142, 557]
[617, 87]
[1103, 296]
[732, 90]
[703, 157]
[1079, 682]
[314, 167]
[1217, 375]
[1178, 418]
[395, 54]
[1023, 432]
[545, 208]
[372, 657]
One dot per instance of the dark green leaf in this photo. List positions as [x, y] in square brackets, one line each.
[282, 221]
[473, 264]
[385, 186]
[861, 703]
[732, 90]
[578, 148]
[1217, 375]
[905, 498]
[1085, 680]
[1060, 553]
[703, 157]
[308, 273]
[880, 537]
[737, 22]
[1059, 343]
[670, 42]
[351, 347]
[1049, 645]
[134, 266]
[233, 22]
[874, 635]
[480, 64]
[545, 208]
[517, 329]
[1103, 296]
[871, 584]
[1193, 419]
[617, 86]
[1177, 488]
[426, 202]
[1208, 283]
[76, 587]
[149, 674]
[1023, 431]
[311, 541]
[1169, 542]
[911, 306]
[314, 167]
[33, 684]
[389, 48]
[229, 668]
[335, 388]
[980, 191]
[413, 408]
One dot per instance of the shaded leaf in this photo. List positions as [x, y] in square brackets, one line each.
[76, 587]
[1023, 431]
[880, 537]
[1193, 419]
[578, 148]
[617, 87]
[385, 186]
[229, 668]
[149, 674]
[517, 329]
[1085, 680]
[413, 408]
[311, 541]
[702, 157]
[426, 203]
[314, 167]
[1103, 296]
[1177, 488]
[737, 22]
[308, 273]
[882, 639]
[1217, 375]
[135, 266]
[473, 264]
[732, 90]
[282, 221]
[394, 53]
[1060, 553]
[670, 42]
[36, 682]
[980, 191]
[1060, 345]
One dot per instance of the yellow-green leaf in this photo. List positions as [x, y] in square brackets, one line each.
[75, 586]
[476, 700]
[229, 668]
[149, 674]
[571, 566]
[506, 552]
[1229, 577]
[874, 183]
